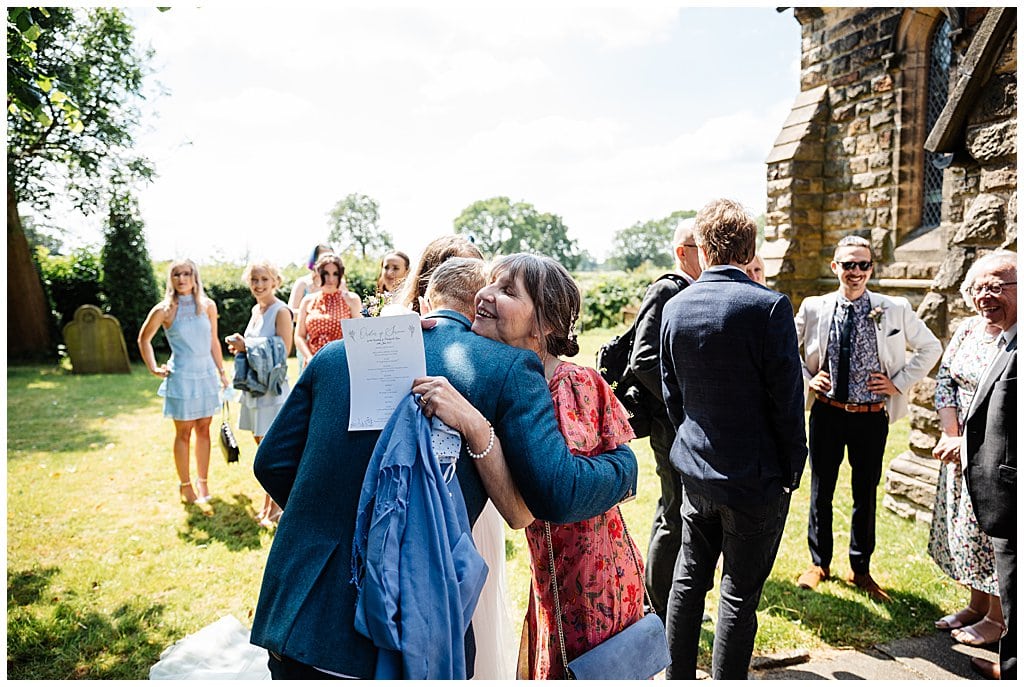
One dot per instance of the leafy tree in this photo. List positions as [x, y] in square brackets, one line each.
[648, 242]
[354, 224]
[74, 78]
[41, 236]
[500, 227]
[128, 280]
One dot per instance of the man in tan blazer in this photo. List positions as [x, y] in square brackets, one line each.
[854, 347]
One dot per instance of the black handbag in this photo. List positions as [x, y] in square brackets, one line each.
[228, 443]
[638, 652]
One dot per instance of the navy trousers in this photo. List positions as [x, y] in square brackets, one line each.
[831, 431]
[747, 536]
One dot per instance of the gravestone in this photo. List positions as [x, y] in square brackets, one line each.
[95, 343]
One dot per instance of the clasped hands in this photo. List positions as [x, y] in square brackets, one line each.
[948, 449]
[878, 383]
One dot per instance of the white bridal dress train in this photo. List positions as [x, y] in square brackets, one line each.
[496, 649]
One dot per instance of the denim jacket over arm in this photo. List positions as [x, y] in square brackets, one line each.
[263, 367]
[417, 571]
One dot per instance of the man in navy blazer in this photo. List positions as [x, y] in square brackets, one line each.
[733, 391]
[990, 447]
[313, 467]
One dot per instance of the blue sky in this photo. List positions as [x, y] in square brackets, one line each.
[605, 116]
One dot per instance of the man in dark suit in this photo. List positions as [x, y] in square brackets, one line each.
[990, 446]
[313, 467]
[733, 390]
[645, 360]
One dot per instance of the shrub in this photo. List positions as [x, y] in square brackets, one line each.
[127, 278]
[71, 281]
[606, 294]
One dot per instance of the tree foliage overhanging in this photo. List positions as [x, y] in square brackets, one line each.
[74, 81]
[72, 104]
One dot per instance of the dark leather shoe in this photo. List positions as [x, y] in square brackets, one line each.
[814, 575]
[868, 584]
[987, 669]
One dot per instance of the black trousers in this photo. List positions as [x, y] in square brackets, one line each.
[1006, 568]
[665, 532]
[862, 436]
[284, 668]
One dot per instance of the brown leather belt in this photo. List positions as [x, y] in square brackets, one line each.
[851, 407]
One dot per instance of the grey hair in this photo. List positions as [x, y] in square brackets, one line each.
[1005, 259]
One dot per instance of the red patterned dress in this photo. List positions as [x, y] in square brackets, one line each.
[323, 319]
[599, 587]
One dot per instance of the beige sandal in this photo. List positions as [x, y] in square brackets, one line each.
[962, 618]
[181, 492]
[202, 499]
[972, 635]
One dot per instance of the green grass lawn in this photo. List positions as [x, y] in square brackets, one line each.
[105, 568]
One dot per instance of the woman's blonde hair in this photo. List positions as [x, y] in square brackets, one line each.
[271, 269]
[171, 296]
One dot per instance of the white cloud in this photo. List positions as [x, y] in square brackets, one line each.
[275, 113]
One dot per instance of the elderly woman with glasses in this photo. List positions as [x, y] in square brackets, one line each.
[321, 313]
[956, 542]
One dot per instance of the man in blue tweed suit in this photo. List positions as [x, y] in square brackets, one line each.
[732, 387]
[313, 467]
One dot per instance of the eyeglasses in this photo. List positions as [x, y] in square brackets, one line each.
[994, 289]
[690, 245]
[182, 274]
[864, 265]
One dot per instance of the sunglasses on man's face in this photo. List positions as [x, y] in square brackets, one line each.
[864, 265]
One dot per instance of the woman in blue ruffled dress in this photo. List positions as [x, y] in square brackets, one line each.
[190, 387]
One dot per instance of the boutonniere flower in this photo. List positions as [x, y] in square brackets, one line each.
[875, 315]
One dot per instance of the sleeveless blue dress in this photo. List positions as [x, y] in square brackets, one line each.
[258, 412]
[192, 390]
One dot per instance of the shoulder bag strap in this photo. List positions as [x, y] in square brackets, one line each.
[554, 585]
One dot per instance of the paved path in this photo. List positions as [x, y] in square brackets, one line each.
[932, 657]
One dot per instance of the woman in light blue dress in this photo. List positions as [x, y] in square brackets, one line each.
[270, 317]
[190, 387]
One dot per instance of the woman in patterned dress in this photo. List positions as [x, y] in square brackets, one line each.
[532, 302]
[321, 313]
[190, 385]
[956, 542]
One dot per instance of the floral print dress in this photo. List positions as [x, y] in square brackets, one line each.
[956, 542]
[600, 589]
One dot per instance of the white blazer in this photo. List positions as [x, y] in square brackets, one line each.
[900, 328]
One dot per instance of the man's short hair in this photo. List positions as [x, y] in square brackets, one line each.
[726, 232]
[454, 284]
[853, 240]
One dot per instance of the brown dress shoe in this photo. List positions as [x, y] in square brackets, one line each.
[868, 584]
[811, 578]
[987, 669]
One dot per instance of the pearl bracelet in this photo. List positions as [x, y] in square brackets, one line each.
[490, 445]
